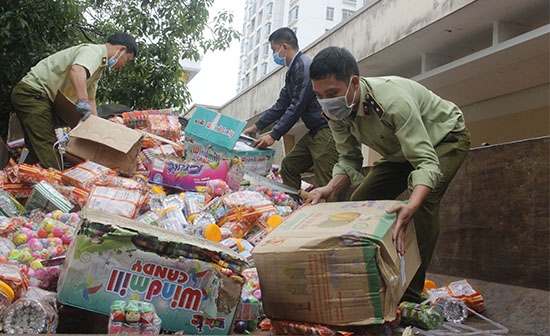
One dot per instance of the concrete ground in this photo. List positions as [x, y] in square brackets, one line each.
[515, 311]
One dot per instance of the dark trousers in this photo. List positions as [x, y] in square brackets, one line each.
[387, 180]
[38, 122]
[312, 150]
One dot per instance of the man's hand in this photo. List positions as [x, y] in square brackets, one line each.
[322, 193]
[251, 131]
[263, 142]
[404, 215]
[83, 108]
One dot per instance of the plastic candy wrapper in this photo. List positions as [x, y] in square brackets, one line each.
[147, 155]
[69, 218]
[280, 327]
[30, 316]
[133, 317]
[186, 174]
[138, 119]
[265, 224]
[250, 308]
[217, 187]
[86, 174]
[18, 190]
[44, 196]
[462, 289]
[166, 126]
[50, 228]
[11, 171]
[45, 277]
[76, 195]
[425, 316]
[34, 174]
[118, 201]
[247, 198]
[15, 278]
[9, 206]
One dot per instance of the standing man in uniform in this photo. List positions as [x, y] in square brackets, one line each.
[296, 100]
[422, 138]
[75, 72]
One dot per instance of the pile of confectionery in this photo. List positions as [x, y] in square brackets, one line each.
[149, 229]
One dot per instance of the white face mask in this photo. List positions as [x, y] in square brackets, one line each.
[337, 108]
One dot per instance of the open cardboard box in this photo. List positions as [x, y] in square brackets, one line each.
[113, 258]
[106, 143]
[335, 264]
[211, 137]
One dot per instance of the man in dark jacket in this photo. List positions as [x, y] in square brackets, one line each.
[296, 100]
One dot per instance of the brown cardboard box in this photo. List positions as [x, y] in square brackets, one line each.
[335, 264]
[107, 143]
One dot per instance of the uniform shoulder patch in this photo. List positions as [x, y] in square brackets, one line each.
[371, 103]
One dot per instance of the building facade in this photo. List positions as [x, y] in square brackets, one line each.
[308, 18]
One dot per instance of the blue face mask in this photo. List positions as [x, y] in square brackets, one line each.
[279, 60]
[113, 60]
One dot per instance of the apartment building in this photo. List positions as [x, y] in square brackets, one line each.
[308, 18]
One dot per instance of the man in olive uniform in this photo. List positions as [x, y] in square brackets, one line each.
[75, 72]
[422, 138]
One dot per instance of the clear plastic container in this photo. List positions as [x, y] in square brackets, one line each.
[173, 219]
[6, 297]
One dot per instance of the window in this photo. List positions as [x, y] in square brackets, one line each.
[330, 13]
[365, 2]
[266, 49]
[263, 69]
[256, 54]
[267, 29]
[269, 8]
[346, 13]
[293, 14]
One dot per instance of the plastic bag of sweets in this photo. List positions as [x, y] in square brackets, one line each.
[118, 201]
[133, 317]
[86, 174]
[462, 289]
[30, 316]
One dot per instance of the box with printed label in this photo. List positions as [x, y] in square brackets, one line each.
[335, 264]
[211, 137]
[193, 283]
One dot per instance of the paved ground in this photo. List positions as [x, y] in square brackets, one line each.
[516, 311]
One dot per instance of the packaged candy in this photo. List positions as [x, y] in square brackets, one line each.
[186, 174]
[133, 317]
[13, 277]
[425, 316]
[86, 174]
[6, 297]
[118, 201]
[166, 126]
[30, 316]
[462, 289]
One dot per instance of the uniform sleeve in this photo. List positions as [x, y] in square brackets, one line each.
[415, 143]
[89, 58]
[273, 114]
[350, 158]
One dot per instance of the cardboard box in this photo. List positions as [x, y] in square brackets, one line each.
[211, 137]
[107, 143]
[335, 264]
[113, 258]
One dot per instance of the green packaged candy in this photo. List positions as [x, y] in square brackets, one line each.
[424, 316]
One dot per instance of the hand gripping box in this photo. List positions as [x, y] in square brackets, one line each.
[192, 282]
[335, 264]
[212, 137]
